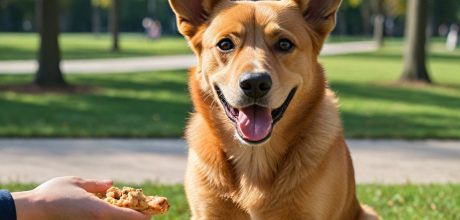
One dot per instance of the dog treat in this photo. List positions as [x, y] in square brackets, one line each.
[135, 199]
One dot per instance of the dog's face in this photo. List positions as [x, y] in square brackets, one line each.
[254, 57]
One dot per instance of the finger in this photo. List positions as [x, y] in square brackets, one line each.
[94, 186]
[116, 213]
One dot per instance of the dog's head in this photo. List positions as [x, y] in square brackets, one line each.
[258, 58]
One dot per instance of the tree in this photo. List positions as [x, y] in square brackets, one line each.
[379, 22]
[49, 57]
[98, 5]
[415, 54]
[114, 24]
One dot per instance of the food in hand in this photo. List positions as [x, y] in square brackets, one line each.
[135, 199]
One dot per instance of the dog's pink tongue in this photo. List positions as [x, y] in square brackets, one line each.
[254, 122]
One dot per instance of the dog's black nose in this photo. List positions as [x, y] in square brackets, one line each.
[255, 85]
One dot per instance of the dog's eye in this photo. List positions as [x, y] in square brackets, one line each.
[225, 45]
[284, 45]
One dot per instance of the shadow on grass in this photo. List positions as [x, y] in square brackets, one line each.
[101, 117]
[388, 124]
[150, 86]
[14, 53]
[157, 105]
[375, 91]
[100, 114]
[401, 126]
[391, 56]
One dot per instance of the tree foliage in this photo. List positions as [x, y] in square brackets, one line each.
[355, 16]
[101, 3]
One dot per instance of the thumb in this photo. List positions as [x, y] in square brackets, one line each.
[94, 186]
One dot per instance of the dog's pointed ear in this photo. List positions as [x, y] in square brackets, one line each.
[321, 13]
[191, 14]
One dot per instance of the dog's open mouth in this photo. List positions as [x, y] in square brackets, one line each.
[254, 123]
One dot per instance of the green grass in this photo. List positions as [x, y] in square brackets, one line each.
[23, 46]
[373, 106]
[125, 105]
[392, 202]
[342, 39]
[413, 202]
[157, 104]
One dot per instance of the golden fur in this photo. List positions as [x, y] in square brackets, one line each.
[304, 171]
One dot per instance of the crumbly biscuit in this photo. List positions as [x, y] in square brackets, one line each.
[135, 199]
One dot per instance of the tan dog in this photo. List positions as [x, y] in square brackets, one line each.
[266, 139]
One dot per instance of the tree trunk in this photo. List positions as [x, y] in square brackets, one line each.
[415, 54]
[49, 57]
[366, 14]
[96, 20]
[114, 26]
[379, 23]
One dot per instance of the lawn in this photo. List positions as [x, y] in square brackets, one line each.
[392, 202]
[23, 46]
[157, 104]
[374, 106]
[124, 105]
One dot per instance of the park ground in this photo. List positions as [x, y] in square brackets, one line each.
[23, 46]
[372, 103]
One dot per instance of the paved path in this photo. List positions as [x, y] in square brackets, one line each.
[123, 65]
[138, 160]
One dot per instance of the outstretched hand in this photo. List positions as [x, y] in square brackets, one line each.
[70, 198]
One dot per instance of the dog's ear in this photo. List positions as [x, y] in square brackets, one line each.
[322, 14]
[191, 14]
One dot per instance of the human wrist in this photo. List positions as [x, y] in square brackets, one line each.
[28, 205]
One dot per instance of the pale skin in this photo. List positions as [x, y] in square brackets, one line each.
[70, 198]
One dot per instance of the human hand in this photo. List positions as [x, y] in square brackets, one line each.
[70, 198]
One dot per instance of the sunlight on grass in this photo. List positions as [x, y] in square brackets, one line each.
[413, 201]
[373, 105]
[128, 105]
[87, 46]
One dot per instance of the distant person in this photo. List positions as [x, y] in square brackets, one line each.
[152, 28]
[67, 198]
[452, 37]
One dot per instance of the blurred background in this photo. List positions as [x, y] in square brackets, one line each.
[356, 17]
[115, 71]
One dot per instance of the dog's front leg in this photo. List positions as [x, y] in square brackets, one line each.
[215, 208]
[204, 200]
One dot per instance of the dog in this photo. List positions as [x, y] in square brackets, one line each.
[265, 139]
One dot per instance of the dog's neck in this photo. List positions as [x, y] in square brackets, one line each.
[259, 165]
